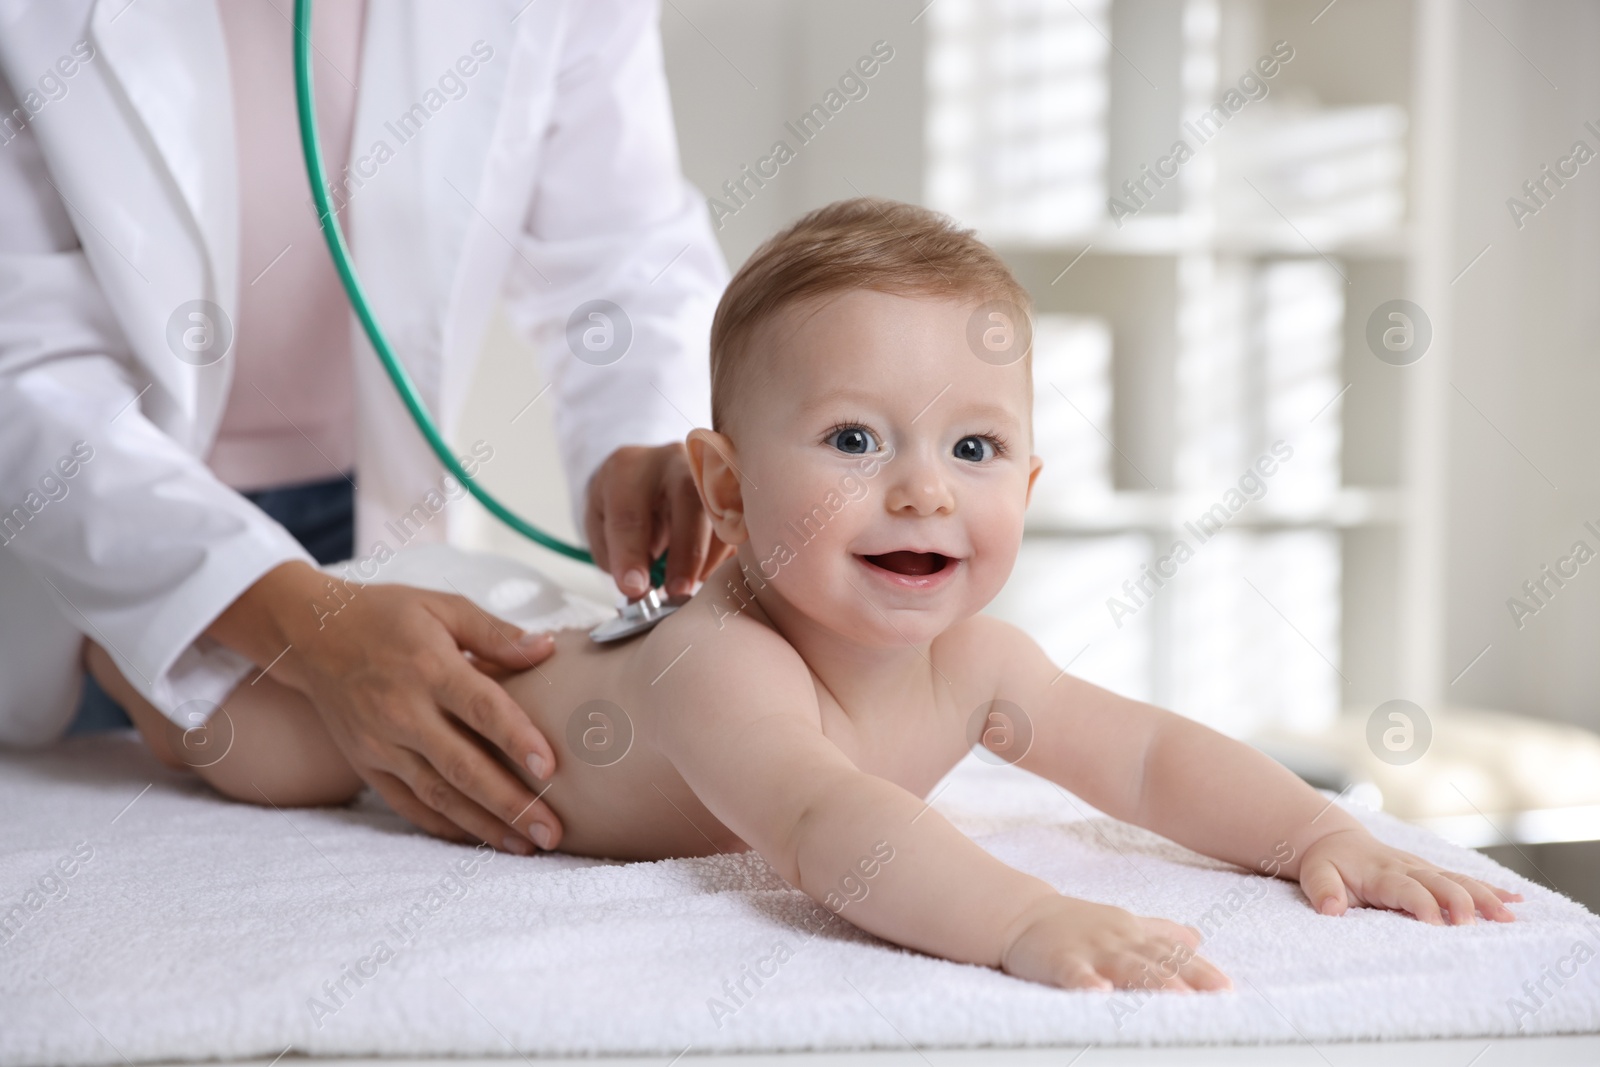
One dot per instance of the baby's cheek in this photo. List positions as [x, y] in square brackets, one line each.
[988, 576]
[781, 560]
[994, 556]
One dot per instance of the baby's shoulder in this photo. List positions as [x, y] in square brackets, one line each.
[979, 646]
[980, 656]
[722, 652]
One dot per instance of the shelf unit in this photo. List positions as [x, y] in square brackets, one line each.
[1202, 301]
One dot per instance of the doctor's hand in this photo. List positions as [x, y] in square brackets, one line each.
[642, 499]
[409, 710]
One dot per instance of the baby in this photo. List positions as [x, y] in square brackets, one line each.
[870, 460]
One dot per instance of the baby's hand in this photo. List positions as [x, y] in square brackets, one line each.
[1077, 944]
[1353, 867]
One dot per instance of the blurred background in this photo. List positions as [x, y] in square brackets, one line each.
[1377, 246]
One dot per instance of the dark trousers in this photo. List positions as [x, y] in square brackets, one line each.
[320, 515]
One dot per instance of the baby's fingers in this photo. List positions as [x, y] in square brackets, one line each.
[1178, 963]
[1079, 975]
[1202, 975]
[1151, 965]
[1323, 885]
[1404, 893]
[1485, 898]
[1159, 928]
[1450, 894]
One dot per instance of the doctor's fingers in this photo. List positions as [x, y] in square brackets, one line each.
[425, 775]
[473, 772]
[404, 801]
[620, 517]
[485, 708]
[399, 796]
[692, 541]
[488, 637]
[482, 703]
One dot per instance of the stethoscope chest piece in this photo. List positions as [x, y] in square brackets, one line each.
[639, 616]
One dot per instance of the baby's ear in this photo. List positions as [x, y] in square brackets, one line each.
[715, 476]
[1035, 465]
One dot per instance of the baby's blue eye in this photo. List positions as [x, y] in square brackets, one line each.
[853, 439]
[972, 448]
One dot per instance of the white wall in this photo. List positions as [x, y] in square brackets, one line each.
[739, 71]
[1525, 321]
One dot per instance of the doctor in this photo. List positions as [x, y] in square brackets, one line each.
[187, 405]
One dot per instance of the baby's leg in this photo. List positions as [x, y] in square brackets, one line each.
[265, 745]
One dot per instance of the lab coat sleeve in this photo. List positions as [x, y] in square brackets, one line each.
[137, 542]
[613, 218]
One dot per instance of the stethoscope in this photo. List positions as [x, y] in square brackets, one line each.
[634, 618]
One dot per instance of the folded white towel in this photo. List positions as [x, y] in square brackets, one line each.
[191, 928]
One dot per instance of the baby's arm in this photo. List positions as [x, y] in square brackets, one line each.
[745, 735]
[1218, 796]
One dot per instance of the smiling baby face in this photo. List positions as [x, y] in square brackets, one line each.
[872, 465]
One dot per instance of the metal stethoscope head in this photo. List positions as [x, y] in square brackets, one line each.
[639, 616]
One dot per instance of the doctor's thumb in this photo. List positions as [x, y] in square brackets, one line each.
[495, 639]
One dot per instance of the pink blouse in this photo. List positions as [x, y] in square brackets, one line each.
[291, 407]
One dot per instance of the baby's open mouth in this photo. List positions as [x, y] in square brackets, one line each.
[912, 563]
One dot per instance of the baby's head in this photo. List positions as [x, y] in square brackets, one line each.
[871, 397]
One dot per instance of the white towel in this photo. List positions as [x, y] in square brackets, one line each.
[195, 928]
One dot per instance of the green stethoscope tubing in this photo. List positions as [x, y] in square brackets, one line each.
[311, 146]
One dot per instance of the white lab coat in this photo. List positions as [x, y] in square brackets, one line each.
[553, 180]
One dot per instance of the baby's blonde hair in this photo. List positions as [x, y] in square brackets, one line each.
[862, 243]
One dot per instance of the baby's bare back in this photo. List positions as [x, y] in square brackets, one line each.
[617, 796]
